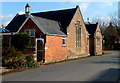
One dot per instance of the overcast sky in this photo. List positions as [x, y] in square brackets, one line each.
[99, 10]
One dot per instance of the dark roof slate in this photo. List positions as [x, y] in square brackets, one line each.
[62, 16]
[91, 28]
[16, 22]
[49, 27]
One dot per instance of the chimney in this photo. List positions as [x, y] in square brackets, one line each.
[97, 23]
[27, 10]
[77, 6]
[88, 19]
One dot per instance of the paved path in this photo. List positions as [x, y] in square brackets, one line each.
[96, 68]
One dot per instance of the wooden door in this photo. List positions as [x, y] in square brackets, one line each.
[40, 50]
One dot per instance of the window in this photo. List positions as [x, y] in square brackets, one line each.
[31, 32]
[78, 34]
[98, 41]
[63, 41]
[87, 41]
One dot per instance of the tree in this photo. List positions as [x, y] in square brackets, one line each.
[110, 35]
[115, 20]
[20, 41]
[102, 21]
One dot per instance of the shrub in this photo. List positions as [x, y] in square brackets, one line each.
[30, 58]
[30, 61]
[20, 41]
[12, 58]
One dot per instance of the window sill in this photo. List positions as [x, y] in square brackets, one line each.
[64, 45]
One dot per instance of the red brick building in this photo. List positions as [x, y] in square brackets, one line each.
[95, 39]
[57, 35]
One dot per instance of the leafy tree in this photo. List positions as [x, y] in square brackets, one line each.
[20, 41]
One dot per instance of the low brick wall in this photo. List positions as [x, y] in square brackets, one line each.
[69, 58]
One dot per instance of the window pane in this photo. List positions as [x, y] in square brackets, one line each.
[27, 31]
[63, 41]
[78, 34]
[32, 33]
[98, 41]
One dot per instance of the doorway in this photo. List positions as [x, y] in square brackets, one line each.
[40, 49]
[91, 46]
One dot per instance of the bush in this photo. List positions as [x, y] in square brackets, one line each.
[30, 58]
[30, 61]
[12, 58]
[20, 41]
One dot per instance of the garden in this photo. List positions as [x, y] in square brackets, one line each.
[14, 56]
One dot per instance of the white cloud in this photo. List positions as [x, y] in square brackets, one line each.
[6, 19]
[83, 6]
[21, 12]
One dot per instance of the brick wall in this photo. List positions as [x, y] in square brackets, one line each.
[71, 30]
[98, 48]
[53, 44]
[6, 40]
[31, 25]
[54, 49]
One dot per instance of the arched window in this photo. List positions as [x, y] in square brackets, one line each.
[78, 34]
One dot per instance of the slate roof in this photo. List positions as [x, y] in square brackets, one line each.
[49, 27]
[91, 28]
[16, 22]
[63, 18]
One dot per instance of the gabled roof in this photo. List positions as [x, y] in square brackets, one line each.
[62, 16]
[91, 28]
[47, 26]
[16, 23]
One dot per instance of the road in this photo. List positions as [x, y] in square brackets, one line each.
[95, 68]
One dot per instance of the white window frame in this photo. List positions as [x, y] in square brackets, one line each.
[30, 31]
[64, 38]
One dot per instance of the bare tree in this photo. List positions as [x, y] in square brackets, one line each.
[102, 21]
[114, 18]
